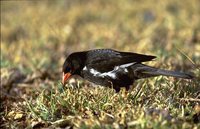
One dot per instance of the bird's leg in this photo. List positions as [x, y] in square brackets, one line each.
[127, 88]
[112, 86]
[117, 89]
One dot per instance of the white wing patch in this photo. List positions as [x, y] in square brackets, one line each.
[126, 65]
[85, 68]
[111, 74]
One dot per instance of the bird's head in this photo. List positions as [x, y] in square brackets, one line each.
[72, 66]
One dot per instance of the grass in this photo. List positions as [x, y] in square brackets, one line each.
[37, 36]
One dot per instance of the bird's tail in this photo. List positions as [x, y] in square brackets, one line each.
[144, 71]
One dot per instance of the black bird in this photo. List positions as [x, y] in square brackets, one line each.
[112, 68]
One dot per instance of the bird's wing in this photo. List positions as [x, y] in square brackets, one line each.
[104, 60]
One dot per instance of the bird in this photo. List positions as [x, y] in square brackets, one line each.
[112, 68]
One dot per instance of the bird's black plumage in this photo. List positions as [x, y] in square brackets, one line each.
[113, 68]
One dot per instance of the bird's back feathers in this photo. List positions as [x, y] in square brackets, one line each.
[105, 60]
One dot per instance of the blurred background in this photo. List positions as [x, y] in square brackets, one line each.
[39, 34]
[36, 37]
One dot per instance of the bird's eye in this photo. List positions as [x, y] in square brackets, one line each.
[68, 69]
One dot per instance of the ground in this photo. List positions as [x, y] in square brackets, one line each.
[36, 37]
